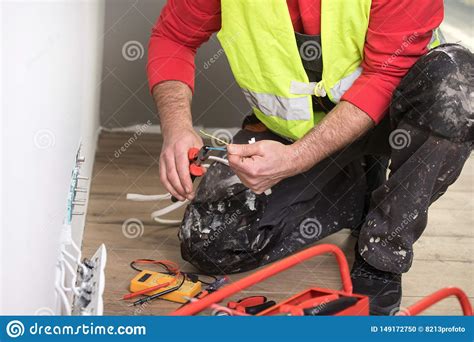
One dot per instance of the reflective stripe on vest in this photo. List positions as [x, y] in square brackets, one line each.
[285, 108]
[259, 41]
[437, 39]
[317, 88]
[264, 57]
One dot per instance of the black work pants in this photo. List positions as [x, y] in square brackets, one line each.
[427, 136]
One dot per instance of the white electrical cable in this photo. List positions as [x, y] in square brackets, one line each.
[218, 159]
[146, 198]
[62, 295]
[85, 269]
[68, 241]
[76, 260]
[77, 249]
[157, 215]
[73, 288]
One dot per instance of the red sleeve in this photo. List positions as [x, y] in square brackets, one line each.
[182, 27]
[399, 33]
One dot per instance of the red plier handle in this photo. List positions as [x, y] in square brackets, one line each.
[195, 168]
[195, 157]
[251, 305]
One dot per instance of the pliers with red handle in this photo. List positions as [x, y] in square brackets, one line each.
[196, 157]
[251, 305]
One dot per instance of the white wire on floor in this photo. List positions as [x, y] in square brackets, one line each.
[148, 198]
[157, 215]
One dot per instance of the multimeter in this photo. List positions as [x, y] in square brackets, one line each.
[146, 279]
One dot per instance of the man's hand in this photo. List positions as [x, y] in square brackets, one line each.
[174, 163]
[173, 100]
[263, 164]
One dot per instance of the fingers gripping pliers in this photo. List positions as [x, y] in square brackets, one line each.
[196, 157]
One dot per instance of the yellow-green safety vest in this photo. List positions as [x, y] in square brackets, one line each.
[259, 41]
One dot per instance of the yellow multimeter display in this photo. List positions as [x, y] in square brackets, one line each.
[146, 279]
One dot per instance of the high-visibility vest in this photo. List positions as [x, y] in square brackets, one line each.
[259, 41]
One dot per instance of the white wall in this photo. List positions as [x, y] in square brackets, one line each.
[51, 70]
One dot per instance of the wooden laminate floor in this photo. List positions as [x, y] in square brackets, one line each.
[443, 256]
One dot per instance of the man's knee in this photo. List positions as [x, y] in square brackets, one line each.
[217, 253]
[206, 256]
[204, 235]
[221, 235]
[437, 93]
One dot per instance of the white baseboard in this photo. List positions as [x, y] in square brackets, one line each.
[156, 129]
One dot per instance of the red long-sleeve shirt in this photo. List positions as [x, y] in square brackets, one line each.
[399, 33]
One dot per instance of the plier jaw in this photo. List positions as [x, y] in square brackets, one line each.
[196, 157]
